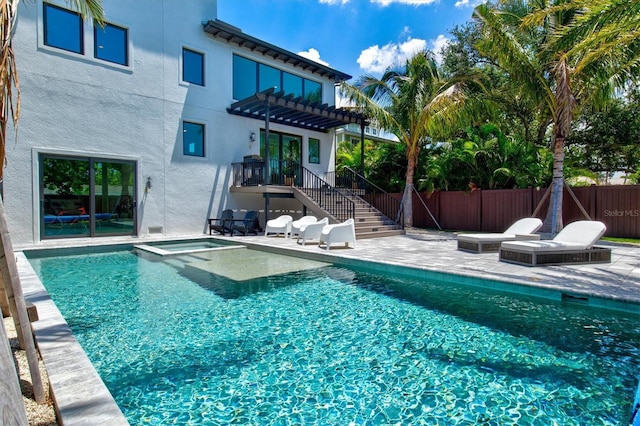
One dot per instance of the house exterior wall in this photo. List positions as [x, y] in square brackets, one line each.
[76, 105]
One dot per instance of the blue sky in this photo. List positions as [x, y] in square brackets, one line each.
[352, 36]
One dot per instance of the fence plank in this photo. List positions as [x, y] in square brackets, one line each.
[618, 206]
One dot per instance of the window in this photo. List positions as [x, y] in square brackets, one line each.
[193, 139]
[269, 77]
[314, 151]
[192, 67]
[312, 91]
[111, 44]
[245, 77]
[292, 84]
[250, 77]
[86, 197]
[62, 29]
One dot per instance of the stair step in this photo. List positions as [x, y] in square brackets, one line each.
[379, 234]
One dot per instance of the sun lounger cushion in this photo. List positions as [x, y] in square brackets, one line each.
[490, 242]
[574, 244]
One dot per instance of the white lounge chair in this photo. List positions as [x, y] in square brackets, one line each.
[312, 231]
[574, 244]
[522, 229]
[279, 225]
[303, 221]
[344, 232]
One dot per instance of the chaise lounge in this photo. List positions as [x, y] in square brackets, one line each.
[483, 243]
[344, 232]
[574, 244]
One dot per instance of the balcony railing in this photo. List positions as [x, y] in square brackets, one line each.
[291, 173]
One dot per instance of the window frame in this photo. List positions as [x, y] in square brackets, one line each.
[125, 45]
[203, 141]
[316, 143]
[238, 86]
[201, 54]
[46, 27]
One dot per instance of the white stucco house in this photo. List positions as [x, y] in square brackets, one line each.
[157, 122]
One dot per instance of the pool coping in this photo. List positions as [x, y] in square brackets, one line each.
[81, 397]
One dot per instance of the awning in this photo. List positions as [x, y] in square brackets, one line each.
[296, 112]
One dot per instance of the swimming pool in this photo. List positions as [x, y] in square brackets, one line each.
[174, 342]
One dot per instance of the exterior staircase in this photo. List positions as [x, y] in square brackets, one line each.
[369, 221]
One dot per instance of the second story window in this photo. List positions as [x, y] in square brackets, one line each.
[192, 67]
[63, 29]
[193, 139]
[250, 77]
[111, 44]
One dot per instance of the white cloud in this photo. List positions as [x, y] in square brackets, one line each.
[468, 3]
[437, 45]
[376, 59]
[332, 2]
[385, 3]
[313, 55]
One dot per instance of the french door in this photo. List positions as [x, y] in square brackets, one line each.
[285, 155]
[86, 197]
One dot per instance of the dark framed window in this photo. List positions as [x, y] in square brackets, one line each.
[292, 84]
[314, 151]
[250, 77]
[269, 77]
[245, 77]
[62, 29]
[193, 139]
[86, 197]
[111, 44]
[192, 66]
[312, 91]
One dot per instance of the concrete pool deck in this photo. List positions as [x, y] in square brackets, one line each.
[82, 398]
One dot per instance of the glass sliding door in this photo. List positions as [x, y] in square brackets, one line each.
[86, 197]
[113, 195]
[285, 156]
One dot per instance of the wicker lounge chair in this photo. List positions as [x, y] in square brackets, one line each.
[296, 225]
[279, 225]
[249, 225]
[522, 229]
[344, 232]
[312, 231]
[574, 244]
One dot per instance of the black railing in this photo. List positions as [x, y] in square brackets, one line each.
[252, 173]
[349, 180]
[291, 173]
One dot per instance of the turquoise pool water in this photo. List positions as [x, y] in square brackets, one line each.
[331, 345]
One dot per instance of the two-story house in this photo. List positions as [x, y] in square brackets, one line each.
[158, 121]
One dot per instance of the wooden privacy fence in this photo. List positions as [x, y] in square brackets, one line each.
[618, 206]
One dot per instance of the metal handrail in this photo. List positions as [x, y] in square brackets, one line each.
[292, 173]
[358, 185]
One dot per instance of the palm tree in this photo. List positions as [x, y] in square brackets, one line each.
[10, 288]
[10, 99]
[559, 67]
[415, 103]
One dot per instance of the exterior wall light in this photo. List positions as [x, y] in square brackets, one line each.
[148, 185]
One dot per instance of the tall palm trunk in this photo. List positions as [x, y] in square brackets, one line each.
[565, 104]
[553, 221]
[412, 161]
